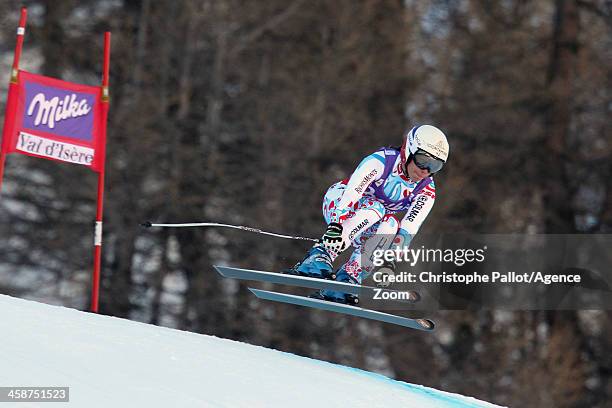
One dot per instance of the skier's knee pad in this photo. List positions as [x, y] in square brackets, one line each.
[388, 225]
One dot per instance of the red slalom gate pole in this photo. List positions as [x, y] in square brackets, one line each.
[9, 113]
[95, 287]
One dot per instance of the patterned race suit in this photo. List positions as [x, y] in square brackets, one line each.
[366, 202]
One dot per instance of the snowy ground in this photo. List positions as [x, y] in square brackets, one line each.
[110, 362]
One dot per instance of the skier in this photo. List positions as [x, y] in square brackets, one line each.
[362, 207]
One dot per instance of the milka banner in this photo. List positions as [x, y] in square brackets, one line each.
[56, 120]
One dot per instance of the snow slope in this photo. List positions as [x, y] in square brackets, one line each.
[111, 362]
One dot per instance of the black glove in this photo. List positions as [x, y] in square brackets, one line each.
[332, 239]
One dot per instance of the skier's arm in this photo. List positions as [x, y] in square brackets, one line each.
[369, 170]
[415, 215]
[410, 224]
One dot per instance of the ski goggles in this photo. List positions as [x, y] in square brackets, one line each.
[426, 161]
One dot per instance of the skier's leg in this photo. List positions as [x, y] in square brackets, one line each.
[380, 236]
[360, 264]
[318, 261]
[364, 213]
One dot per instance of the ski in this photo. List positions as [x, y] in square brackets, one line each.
[418, 324]
[369, 292]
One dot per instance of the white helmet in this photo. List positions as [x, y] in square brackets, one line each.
[428, 139]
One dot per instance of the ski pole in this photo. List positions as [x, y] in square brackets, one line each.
[149, 224]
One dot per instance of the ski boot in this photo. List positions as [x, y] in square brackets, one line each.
[316, 264]
[337, 296]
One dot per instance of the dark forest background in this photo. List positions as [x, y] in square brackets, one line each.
[246, 111]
